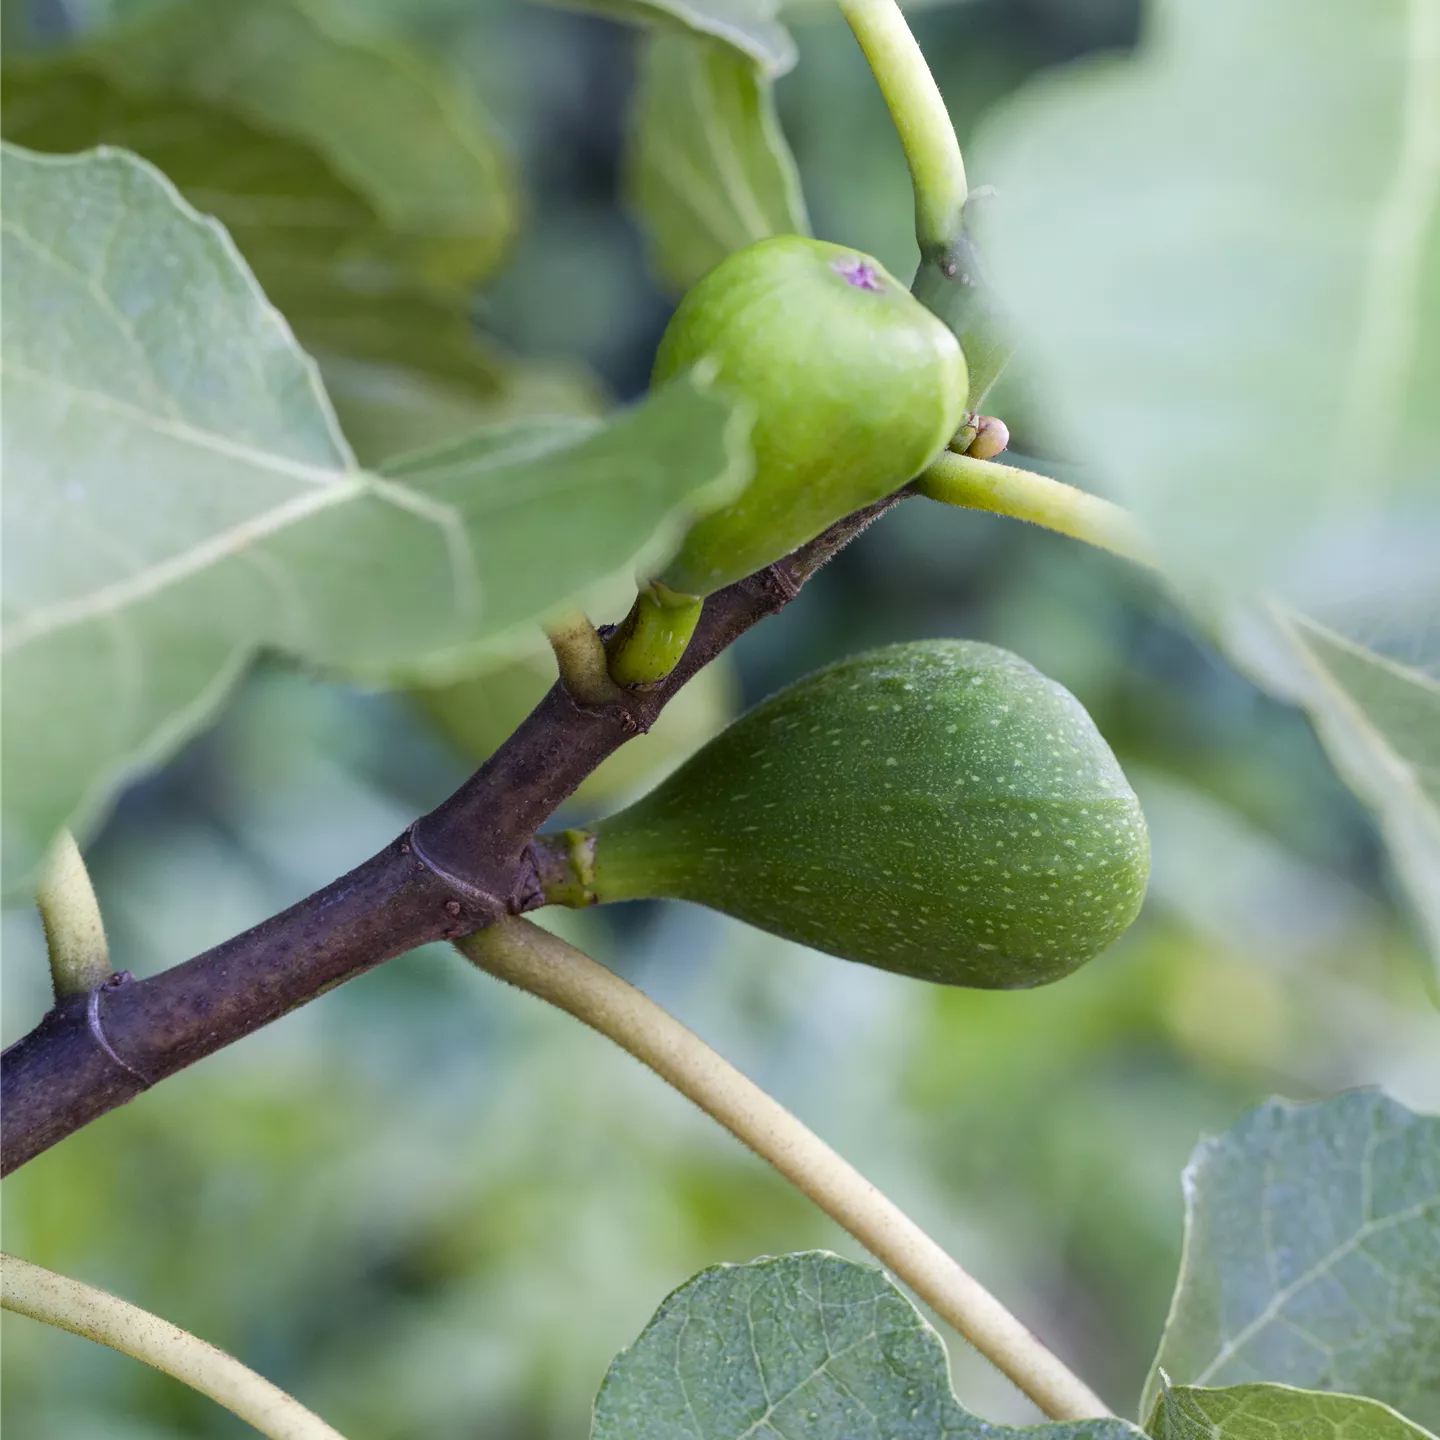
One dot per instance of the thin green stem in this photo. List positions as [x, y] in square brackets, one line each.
[937, 170]
[74, 930]
[580, 656]
[524, 955]
[653, 638]
[1022, 494]
[83, 1310]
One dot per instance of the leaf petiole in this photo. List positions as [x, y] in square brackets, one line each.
[83, 1310]
[581, 659]
[74, 929]
[937, 169]
[1024, 495]
[522, 954]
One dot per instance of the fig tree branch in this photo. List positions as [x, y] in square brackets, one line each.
[83, 1310]
[526, 956]
[454, 871]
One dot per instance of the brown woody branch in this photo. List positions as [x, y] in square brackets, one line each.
[455, 871]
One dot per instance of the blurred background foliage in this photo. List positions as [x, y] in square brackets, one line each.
[429, 1207]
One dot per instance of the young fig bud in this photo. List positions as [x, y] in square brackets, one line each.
[855, 388]
[992, 437]
[940, 809]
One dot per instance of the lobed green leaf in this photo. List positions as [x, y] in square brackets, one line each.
[179, 495]
[1379, 719]
[367, 192]
[1263, 1412]
[802, 1347]
[1312, 1255]
[749, 26]
[708, 169]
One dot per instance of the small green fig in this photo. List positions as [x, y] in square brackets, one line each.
[939, 809]
[855, 388]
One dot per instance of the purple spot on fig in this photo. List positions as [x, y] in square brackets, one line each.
[859, 273]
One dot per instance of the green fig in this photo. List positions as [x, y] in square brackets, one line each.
[855, 388]
[939, 809]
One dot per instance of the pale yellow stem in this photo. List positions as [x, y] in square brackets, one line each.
[526, 956]
[580, 656]
[83, 1310]
[1023, 495]
[937, 171]
[74, 931]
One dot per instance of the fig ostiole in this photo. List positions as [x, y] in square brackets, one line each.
[855, 387]
[939, 809]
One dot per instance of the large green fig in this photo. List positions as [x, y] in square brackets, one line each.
[940, 809]
[854, 384]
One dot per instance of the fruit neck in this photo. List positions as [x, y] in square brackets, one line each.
[565, 867]
[615, 861]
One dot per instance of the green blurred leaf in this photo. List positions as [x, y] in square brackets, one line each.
[407, 371]
[179, 495]
[708, 167]
[1312, 1255]
[366, 191]
[1379, 719]
[1223, 256]
[1261, 1412]
[749, 26]
[313, 146]
[809, 1347]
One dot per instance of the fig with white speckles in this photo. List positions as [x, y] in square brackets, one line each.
[855, 387]
[940, 809]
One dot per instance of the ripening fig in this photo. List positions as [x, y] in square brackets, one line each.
[940, 809]
[855, 387]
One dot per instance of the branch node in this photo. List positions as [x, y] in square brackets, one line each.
[97, 1029]
[482, 899]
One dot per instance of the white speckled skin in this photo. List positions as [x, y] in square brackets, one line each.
[940, 809]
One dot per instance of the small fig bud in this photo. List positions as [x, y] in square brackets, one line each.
[992, 436]
[939, 809]
[855, 388]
